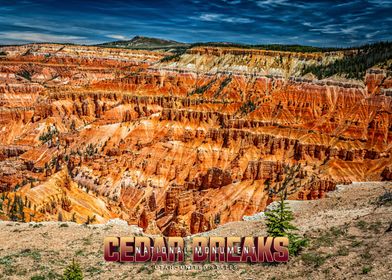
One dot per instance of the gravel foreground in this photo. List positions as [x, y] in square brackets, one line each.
[349, 231]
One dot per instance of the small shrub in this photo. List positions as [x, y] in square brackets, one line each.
[37, 277]
[79, 253]
[337, 231]
[73, 271]
[356, 243]
[343, 251]
[145, 269]
[361, 225]
[248, 107]
[366, 255]
[313, 259]
[36, 225]
[91, 220]
[48, 136]
[7, 260]
[94, 270]
[366, 269]
[375, 227]
[324, 240]
[87, 240]
[385, 199]
[52, 275]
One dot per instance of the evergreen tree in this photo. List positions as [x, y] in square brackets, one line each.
[279, 224]
[279, 220]
[354, 64]
[73, 272]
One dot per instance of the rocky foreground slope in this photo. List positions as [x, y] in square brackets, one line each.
[180, 144]
[349, 234]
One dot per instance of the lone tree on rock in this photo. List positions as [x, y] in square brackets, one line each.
[280, 217]
[279, 224]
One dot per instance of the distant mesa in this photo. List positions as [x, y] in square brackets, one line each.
[141, 42]
[158, 44]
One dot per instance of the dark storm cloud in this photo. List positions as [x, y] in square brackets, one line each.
[319, 23]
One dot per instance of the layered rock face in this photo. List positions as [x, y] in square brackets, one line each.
[180, 146]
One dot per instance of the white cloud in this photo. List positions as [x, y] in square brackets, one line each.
[381, 3]
[338, 29]
[222, 18]
[271, 2]
[210, 17]
[275, 3]
[38, 37]
[352, 29]
[232, 2]
[371, 35]
[115, 36]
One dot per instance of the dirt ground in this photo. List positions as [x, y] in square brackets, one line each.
[347, 231]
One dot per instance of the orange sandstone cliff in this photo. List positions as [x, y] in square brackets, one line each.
[180, 146]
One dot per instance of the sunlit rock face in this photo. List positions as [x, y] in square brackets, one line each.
[180, 146]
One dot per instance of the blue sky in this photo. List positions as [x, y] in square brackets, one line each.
[317, 23]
